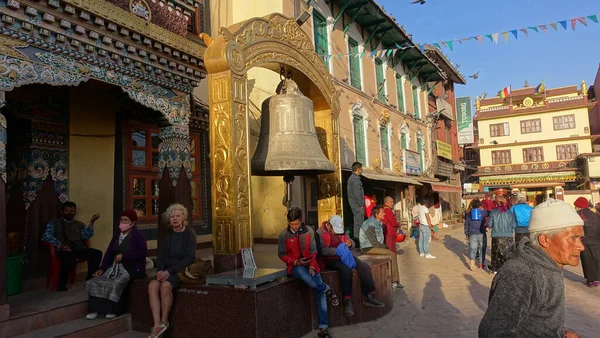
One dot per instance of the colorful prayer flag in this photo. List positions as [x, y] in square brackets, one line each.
[450, 45]
[573, 23]
[478, 38]
[495, 37]
[563, 24]
[582, 20]
[533, 28]
[593, 18]
[524, 30]
[490, 37]
[504, 93]
[540, 88]
[553, 25]
[505, 36]
[515, 33]
[543, 28]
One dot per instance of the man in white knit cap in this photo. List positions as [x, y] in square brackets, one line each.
[527, 298]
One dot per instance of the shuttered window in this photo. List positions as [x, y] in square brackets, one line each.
[320, 30]
[416, 101]
[385, 147]
[400, 92]
[359, 139]
[380, 80]
[354, 64]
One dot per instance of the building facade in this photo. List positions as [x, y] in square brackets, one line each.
[530, 141]
[98, 107]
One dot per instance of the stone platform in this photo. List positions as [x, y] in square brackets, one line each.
[283, 308]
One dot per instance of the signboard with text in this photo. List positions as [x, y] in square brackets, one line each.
[444, 150]
[412, 162]
[464, 120]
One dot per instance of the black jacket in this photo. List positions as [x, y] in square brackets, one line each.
[591, 226]
[356, 194]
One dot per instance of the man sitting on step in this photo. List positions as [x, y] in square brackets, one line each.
[69, 236]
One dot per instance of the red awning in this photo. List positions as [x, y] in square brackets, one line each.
[441, 187]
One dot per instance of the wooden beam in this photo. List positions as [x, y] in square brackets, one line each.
[341, 13]
[351, 22]
[417, 72]
[376, 22]
[371, 35]
[381, 39]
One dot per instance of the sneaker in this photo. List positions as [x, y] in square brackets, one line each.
[480, 266]
[593, 284]
[422, 255]
[110, 316]
[348, 308]
[92, 315]
[397, 285]
[372, 301]
[335, 301]
[430, 256]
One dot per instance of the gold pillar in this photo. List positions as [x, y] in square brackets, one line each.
[330, 193]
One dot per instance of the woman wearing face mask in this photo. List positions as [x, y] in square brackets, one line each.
[125, 255]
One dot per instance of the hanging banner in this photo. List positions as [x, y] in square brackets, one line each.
[412, 162]
[464, 120]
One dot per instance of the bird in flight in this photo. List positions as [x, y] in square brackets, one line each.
[474, 76]
[420, 2]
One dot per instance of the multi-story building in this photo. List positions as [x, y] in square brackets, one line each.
[529, 141]
[384, 121]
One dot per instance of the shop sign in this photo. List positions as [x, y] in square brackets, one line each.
[444, 169]
[412, 162]
[464, 120]
[444, 150]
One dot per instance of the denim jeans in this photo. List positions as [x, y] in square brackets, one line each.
[475, 245]
[316, 283]
[424, 237]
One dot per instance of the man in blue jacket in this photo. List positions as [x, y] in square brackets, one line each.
[522, 213]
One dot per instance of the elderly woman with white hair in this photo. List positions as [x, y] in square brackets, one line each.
[527, 297]
[177, 252]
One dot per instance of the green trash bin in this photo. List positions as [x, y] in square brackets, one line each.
[14, 275]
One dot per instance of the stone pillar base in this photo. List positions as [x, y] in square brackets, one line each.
[4, 311]
[228, 262]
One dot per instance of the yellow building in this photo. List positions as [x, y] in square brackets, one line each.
[384, 120]
[529, 141]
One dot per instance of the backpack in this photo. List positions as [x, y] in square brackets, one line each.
[476, 214]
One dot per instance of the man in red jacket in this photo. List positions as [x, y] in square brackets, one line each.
[335, 249]
[298, 250]
[390, 223]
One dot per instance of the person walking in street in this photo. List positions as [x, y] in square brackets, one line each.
[503, 224]
[590, 257]
[527, 297]
[522, 212]
[425, 229]
[474, 231]
[335, 252]
[70, 237]
[372, 242]
[390, 223]
[298, 250]
[356, 198]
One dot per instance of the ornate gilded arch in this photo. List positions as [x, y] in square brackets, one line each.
[259, 42]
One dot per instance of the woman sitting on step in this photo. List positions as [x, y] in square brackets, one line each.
[124, 261]
[177, 252]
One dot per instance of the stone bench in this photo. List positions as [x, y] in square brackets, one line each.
[283, 308]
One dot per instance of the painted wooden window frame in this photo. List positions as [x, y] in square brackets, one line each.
[384, 143]
[359, 134]
[497, 127]
[354, 64]
[561, 151]
[501, 157]
[400, 92]
[559, 123]
[321, 36]
[533, 154]
[531, 126]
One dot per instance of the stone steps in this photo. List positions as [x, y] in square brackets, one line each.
[83, 328]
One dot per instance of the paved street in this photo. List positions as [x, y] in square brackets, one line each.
[443, 298]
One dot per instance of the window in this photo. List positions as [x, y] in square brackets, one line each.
[564, 122]
[500, 129]
[501, 157]
[380, 80]
[566, 152]
[321, 43]
[400, 92]
[354, 64]
[416, 101]
[403, 141]
[385, 147]
[531, 126]
[533, 154]
[359, 140]
[142, 164]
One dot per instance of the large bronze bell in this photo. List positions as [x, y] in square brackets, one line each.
[288, 144]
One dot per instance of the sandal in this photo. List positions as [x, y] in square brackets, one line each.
[335, 301]
[324, 334]
[158, 331]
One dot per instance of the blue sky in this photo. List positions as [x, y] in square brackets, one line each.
[561, 58]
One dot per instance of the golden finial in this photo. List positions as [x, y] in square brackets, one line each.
[526, 85]
[584, 90]
[206, 38]
[478, 103]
